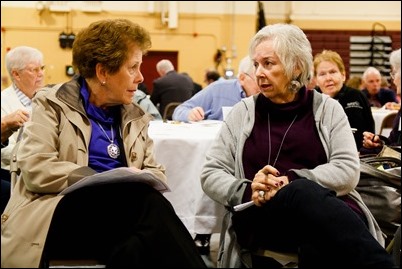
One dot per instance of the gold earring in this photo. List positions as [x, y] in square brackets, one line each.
[103, 83]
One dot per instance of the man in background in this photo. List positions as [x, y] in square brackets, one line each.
[208, 103]
[170, 86]
[211, 76]
[197, 87]
[376, 95]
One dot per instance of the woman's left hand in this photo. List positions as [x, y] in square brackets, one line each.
[266, 184]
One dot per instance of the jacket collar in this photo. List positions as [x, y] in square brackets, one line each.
[69, 93]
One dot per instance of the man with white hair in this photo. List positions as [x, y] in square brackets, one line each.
[208, 103]
[376, 95]
[170, 86]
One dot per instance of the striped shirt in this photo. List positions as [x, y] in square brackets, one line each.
[25, 100]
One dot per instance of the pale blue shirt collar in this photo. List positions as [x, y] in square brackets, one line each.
[25, 100]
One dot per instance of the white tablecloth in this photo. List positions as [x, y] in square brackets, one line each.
[378, 115]
[181, 148]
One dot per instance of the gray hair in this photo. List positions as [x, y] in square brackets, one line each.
[19, 57]
[292, 48]
[164, 66]
[246, 66]
[395, 60]
[370, 70]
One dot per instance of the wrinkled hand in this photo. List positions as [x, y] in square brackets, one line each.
[16, 119]
[269, 181]
[196, 114]
[371, 140]
[12, 122]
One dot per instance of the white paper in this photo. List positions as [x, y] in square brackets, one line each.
[243, 206]
[118, 175]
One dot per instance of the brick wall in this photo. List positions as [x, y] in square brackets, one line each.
[339, 41]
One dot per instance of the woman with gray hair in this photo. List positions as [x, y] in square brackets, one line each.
[290, 154]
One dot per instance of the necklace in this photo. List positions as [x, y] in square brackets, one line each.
[280, 146]
[113, 150]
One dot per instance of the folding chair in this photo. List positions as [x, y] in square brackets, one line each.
[169, 109]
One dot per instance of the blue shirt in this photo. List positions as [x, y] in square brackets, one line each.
[99, 158]
[216, 95]
[381, 98]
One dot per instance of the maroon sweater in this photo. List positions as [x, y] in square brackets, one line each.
[301, 147]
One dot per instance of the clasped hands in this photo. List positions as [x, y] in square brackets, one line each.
[266, 183]
[371, 140]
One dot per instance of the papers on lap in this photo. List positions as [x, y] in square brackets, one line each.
[119, 175]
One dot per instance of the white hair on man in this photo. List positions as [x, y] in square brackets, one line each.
[246, 66]
[164, 66]
[370, 70]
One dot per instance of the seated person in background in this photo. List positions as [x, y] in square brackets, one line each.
[143, 87]
[208, 103]
[373, 143]
[355, 82]
[142, 99]
[25, 67]
[88, 125]
[290, 152]
[197, 87]
[376, 95]
[212, 76]
[170, 86]
[330, 74]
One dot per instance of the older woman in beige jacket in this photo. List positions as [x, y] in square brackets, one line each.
[130, 224]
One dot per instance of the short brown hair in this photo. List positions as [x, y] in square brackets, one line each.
[107, 42]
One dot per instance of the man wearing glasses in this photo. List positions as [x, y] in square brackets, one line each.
[26, 70]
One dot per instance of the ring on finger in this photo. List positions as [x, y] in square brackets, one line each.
[261, 194]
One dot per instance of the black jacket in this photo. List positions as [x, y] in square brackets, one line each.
[172, 87]
[358, 110]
